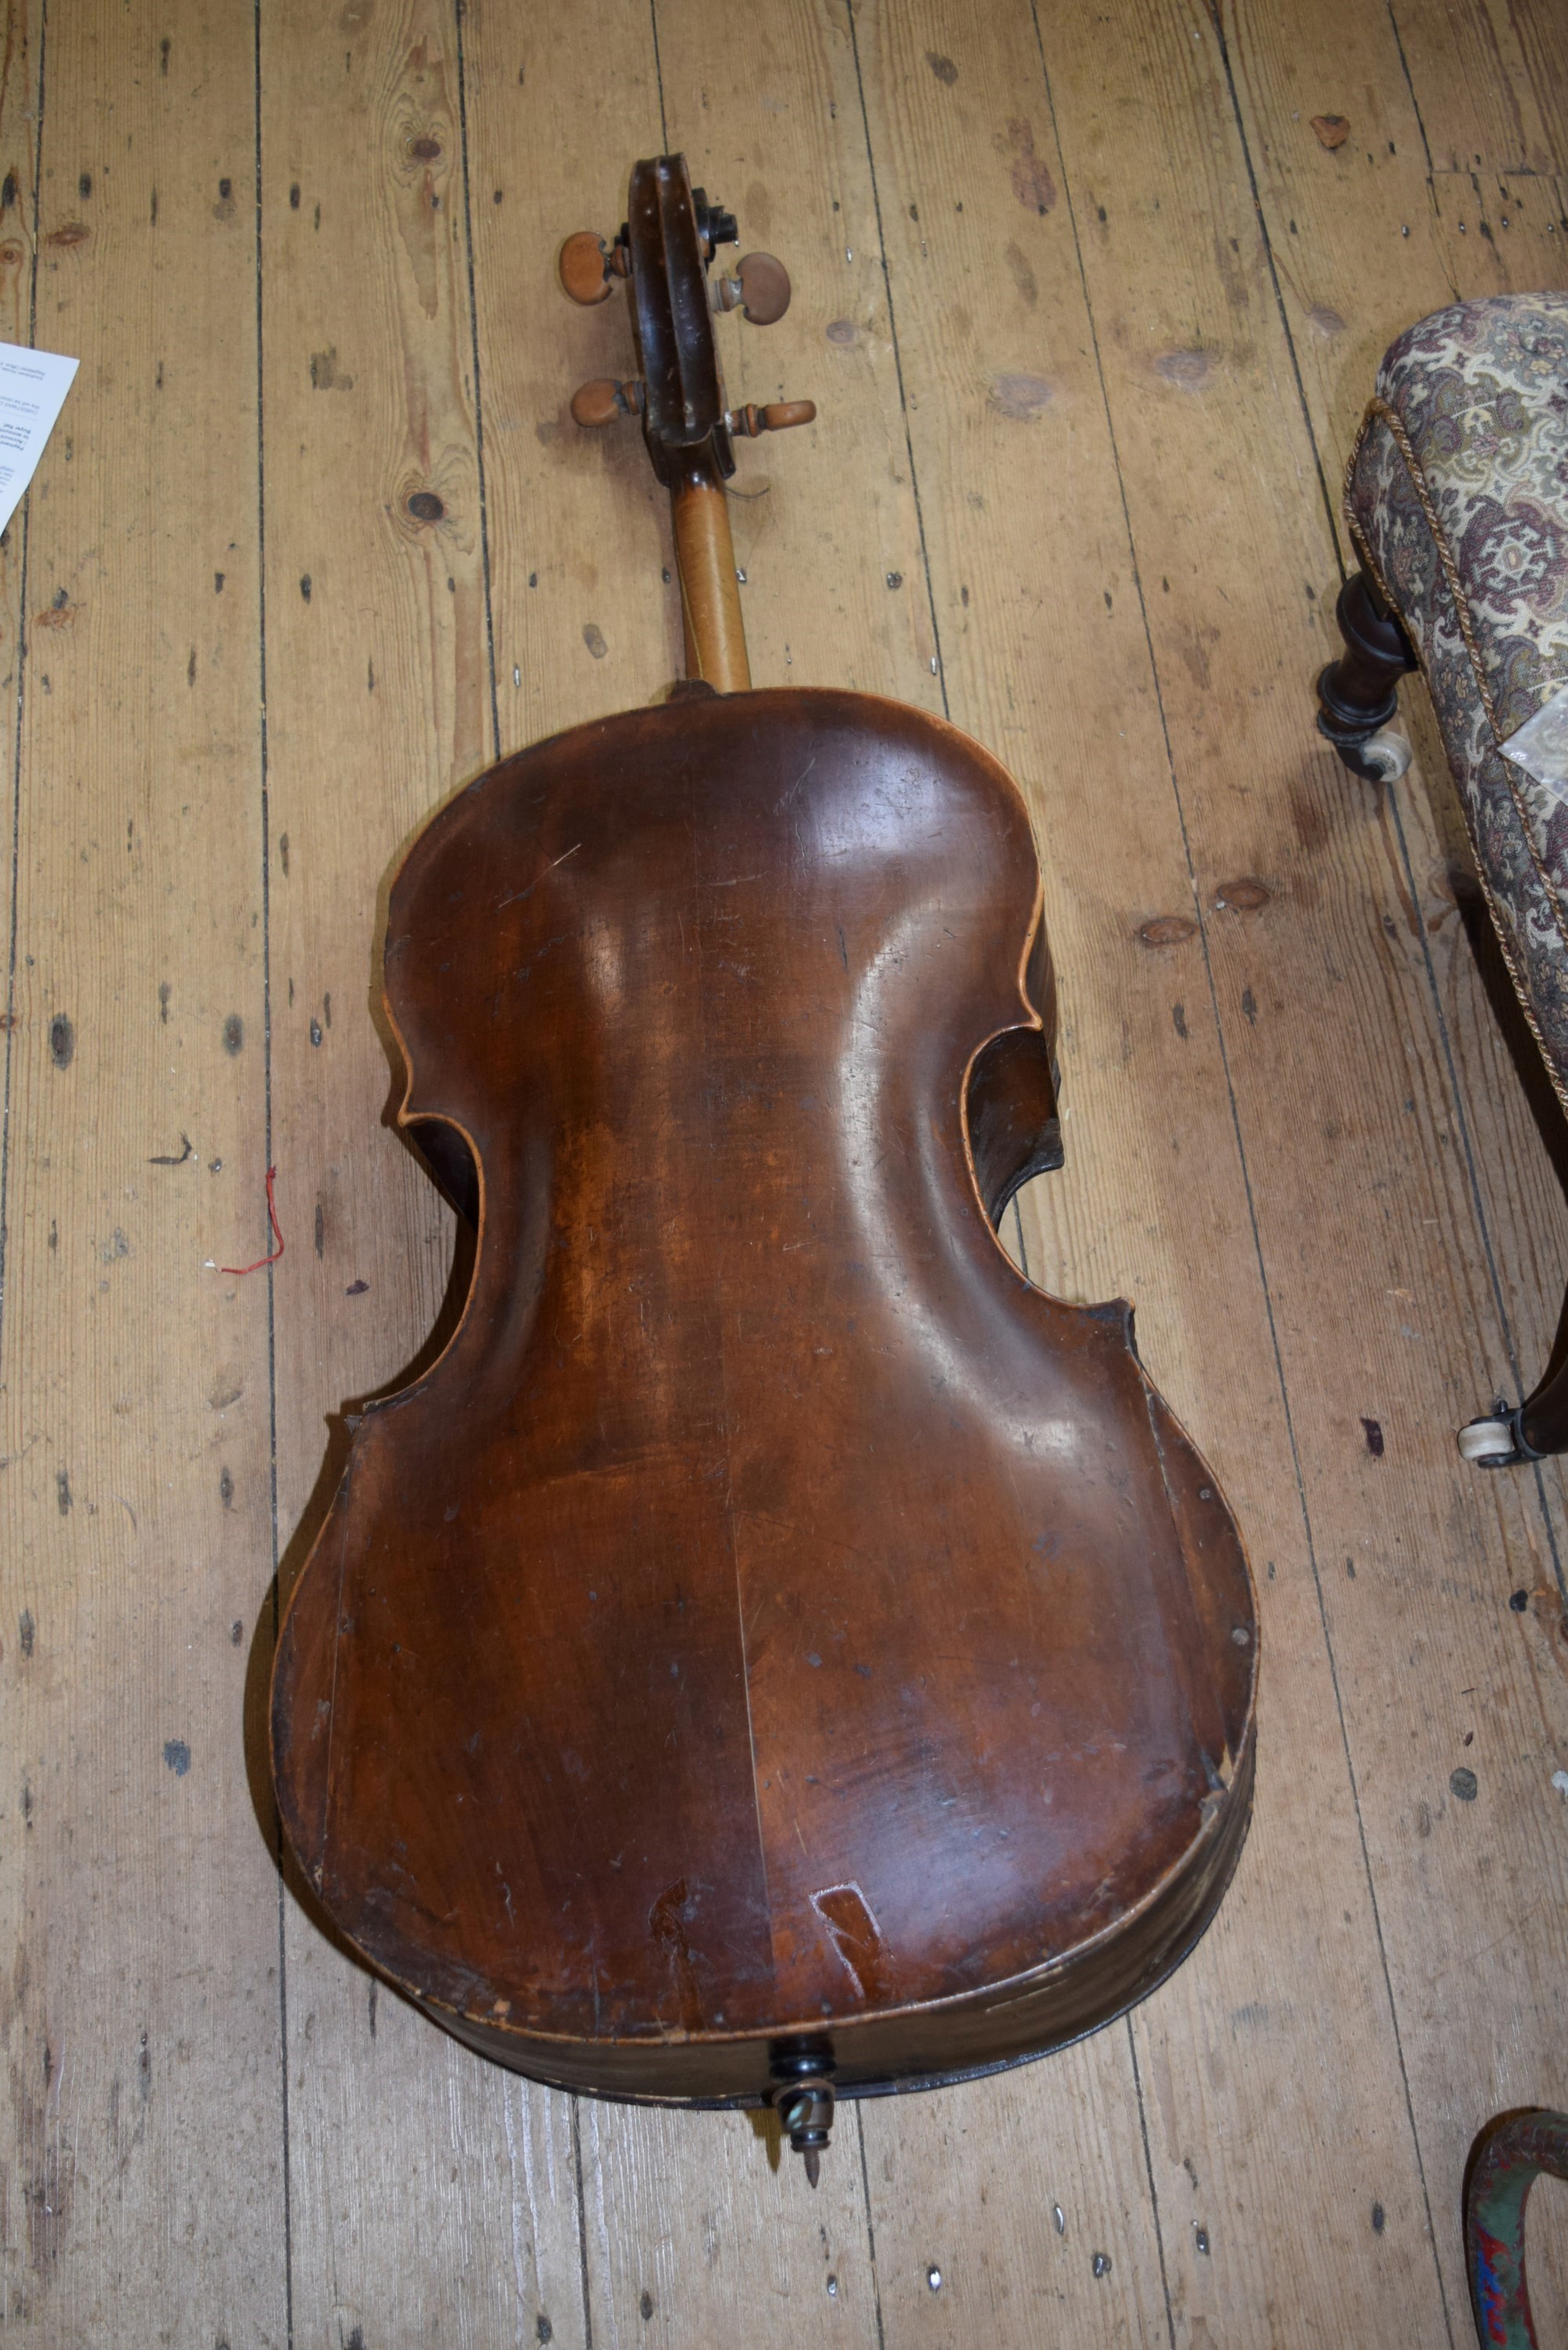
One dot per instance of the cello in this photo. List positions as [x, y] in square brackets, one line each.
[775, 1652]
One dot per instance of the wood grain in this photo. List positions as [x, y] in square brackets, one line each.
[1491, 79]
[587, 614]
[379, 702]
[773, 124]
[587, 621]
[139, 1891]
[1412, 1562]
[809, 157]
[1139, 1033]
[18, 180]
[1260, 2098]
[701, 2228]
[1362, 242]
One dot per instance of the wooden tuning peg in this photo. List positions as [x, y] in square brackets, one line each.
[777, 417]
[759, 289]
[585, 267]
[604, 403]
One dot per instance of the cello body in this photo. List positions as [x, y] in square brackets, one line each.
[772, 1631]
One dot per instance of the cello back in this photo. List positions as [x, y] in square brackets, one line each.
[772, 1631]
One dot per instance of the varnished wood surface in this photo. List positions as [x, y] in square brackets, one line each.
[715, 628]
[771, 1616]
[1068, 479]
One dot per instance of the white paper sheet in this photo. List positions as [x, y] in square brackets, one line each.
[32, 388]
[1540, 748]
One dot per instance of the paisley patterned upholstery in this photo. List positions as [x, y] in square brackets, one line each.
[1456, 498]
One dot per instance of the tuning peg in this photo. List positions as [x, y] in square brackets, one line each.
[588, 266]
[759, 289]
[604, 403]
[777, 418]
[585, 268]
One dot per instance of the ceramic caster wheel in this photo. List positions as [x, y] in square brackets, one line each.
[1385, 757]
[1489, 1443]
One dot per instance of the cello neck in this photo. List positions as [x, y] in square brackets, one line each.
[705, 563]
[665, 249]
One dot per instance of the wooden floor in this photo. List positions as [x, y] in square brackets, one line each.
[1089, 310]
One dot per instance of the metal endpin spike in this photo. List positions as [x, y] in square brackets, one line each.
[803, 2103]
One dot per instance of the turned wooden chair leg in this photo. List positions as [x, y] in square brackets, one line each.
[1528, 1430]
[1543, 1420]
[1357, 700]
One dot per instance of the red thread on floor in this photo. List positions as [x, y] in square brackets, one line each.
[241, 1269]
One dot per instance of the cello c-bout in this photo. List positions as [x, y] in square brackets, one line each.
[776, 1651]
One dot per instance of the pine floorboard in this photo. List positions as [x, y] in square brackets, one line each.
[1089, 313]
